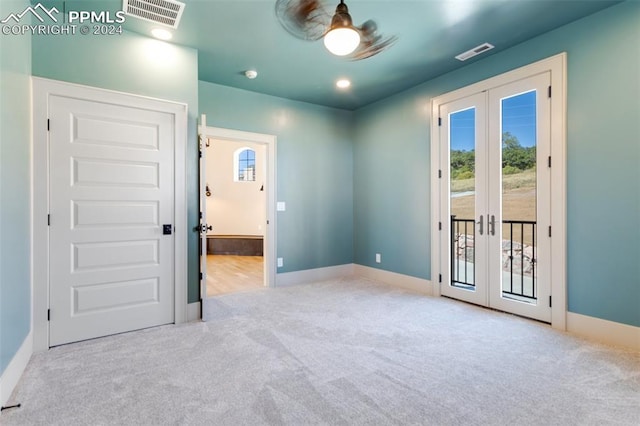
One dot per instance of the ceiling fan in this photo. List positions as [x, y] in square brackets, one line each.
[309, 20]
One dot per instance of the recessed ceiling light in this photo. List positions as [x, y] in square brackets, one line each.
[251, 74]
[161, 34]
[343, 83]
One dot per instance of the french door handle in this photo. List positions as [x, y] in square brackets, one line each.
[480, 227]
[492, 225]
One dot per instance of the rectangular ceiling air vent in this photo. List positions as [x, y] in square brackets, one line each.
[164, 12]
[475, 51]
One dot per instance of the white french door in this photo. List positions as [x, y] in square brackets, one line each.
[495, 197]
[518, 239]
[467, 276]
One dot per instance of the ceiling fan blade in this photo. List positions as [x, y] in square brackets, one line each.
[304, 19]
[371, 43]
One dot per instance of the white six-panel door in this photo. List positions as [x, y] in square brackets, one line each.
[111, 193]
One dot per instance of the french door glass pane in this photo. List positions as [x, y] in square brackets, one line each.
[518, 129]
[462, 143]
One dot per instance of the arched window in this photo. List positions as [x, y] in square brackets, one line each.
[244, 169]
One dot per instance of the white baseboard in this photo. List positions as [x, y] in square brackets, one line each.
[313, 275]
[193, 311]
[14, 370]
[609, 332]
[418, 285]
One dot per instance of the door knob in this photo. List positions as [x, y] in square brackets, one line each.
[492, 225]
[480, 227]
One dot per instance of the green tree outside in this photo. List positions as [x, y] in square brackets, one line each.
[515, 159]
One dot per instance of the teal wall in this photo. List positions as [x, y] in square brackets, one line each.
[391, 185]
[391, 163]
[15, 187]
[134, 64]
[314, 170]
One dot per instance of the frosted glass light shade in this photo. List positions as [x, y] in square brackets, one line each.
[342, 41]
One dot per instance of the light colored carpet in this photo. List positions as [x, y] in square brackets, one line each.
[342, 352]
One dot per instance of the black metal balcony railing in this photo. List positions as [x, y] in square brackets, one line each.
[463, 252]
[518, 257]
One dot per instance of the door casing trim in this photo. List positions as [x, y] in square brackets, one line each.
[557, 66]
[42, 89]
[270, 141]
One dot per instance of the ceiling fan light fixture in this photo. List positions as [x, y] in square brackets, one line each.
[342, 38]
[342, 41]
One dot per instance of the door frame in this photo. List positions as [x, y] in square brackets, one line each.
[556, 66]
[270, 142]
[42, 89]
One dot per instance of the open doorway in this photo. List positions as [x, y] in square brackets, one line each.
[236, 214]
[237, 211]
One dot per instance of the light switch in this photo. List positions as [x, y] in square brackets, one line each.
[281, 206]
[280, 262]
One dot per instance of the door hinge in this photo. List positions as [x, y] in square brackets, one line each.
[549, 92]
[200, 215]
[48, 124]
[48, 220]
[439, 121]
[200, 275]
[200, 154]
[439, 226]
[549, 231]
[439, 278]
[440, 173]
[549, 161]
[549, 301]
[267, 222]
[48, 314]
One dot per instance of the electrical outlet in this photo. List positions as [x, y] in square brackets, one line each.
[378, 258]
[280, 262]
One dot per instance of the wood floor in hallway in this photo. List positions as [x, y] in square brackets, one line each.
[231, 274]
